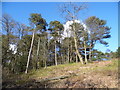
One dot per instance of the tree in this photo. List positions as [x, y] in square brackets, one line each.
[98, 32]
[21, 28]
[22, 53]
[35, 20]
[84, 40]
[99, 56]
[76, 28]
[118, 52]
[66, 46]
[8, 26]
[56, 27]
[71, 11]
[42, 49]
[42, 28]
[115, 54]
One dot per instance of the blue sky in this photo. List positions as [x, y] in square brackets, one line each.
[20, 11]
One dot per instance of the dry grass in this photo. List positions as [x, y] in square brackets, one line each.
[92, 75]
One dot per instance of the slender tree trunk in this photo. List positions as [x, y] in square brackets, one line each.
[62, 59]
[33, 58]
[12, 66]
[71, 53]
[26, 71]
[85, 53]
[90, 52]
[77, 52]
[68, 54]
[76, 59]
[38, 48]
[86, 56]
[55, 54]
[48, 55]
[45, 61]
[76, 46]
[45, 52]
[45, 64]
[71, 59]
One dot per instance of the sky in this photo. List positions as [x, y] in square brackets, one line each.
[20, 11]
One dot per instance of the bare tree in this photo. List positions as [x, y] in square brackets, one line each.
[71, 11]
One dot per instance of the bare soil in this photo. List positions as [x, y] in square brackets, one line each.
[93, 75]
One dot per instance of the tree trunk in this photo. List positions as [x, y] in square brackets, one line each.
[71, 53]
[45, 63]
[55, 54]
[62, 59]
[90, 53]
[38, 53]
[85, 53]
[45, 52]
[76, 47]
[77, 52]
[68, 54]
[33, 58]
[76, 59]
[26, 71]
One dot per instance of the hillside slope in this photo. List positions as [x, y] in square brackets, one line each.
[102, 74]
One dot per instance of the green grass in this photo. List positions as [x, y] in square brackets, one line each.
[43, 72]
[112, 67]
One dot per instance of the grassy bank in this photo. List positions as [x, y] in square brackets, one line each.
[92, 75]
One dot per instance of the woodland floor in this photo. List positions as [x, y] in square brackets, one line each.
[103, 74]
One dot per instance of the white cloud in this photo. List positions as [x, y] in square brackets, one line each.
[67, 29]
[13, 47]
